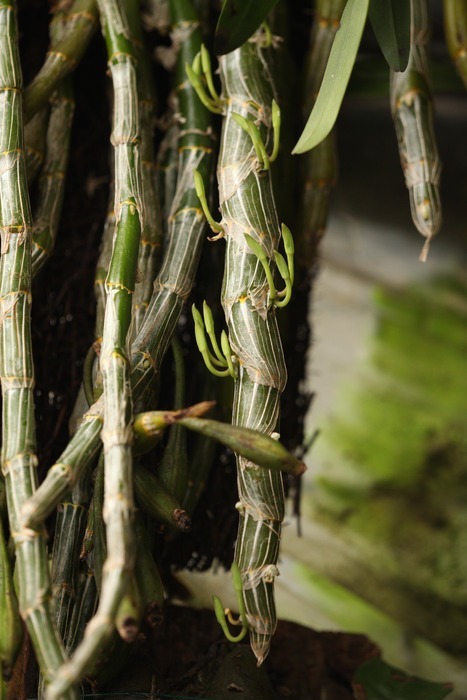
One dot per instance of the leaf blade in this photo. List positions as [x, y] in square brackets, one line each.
[239, 19]
[336, 76]
[390, 20]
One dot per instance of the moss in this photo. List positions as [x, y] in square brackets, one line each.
[392, 484]
[414, 396]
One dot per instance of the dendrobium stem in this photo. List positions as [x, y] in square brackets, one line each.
[114, 363]
[18, 456]
[412, 112]
[79, 24]
[247, 206]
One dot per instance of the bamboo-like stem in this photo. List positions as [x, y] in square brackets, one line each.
[71, 519]
[247, 206]
[83, 609]
[11, 630]
[186, 222]
[172, 286]
[455, 29]
[79, 25]
[152, 232]
[173, 469]
[99, 543]
[167, 170]
[320, 164]
[412, 112]
[118, 414]
[34, 143]
[52, 180]
[102, 267]
[147, 575]
[16, 364]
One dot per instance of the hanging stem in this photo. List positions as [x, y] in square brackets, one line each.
[247, 206]
[118, 414]
[80, 24]
[18, 456]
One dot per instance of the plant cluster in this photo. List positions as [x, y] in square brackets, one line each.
[119, 473]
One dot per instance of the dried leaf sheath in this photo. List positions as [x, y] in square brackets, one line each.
[247, 206]
[16, 364]
[118, 415]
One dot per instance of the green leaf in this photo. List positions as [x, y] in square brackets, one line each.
[390, 20]
[376, 680]
[239, 19]
[336, 76]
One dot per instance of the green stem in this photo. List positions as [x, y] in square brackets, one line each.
[158, 502]
[172, 285]
[52, 180]
[34, 143]
[152, 231]
[79, 25]
[247, 205]
[173, 469]
[118, 414]
[11, 630]
[148, 576]
[16, 364]
[455, 29]
[319, 166]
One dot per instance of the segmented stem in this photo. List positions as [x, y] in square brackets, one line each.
[152, 232]
[320, 164]
[79, 25]
[118, 415]
[455, 28]
[11, 630]
[412, 112]
[52, 180]
[247, 206]
[172, 285]
[34, 143]
[16, 364]
[186, 221]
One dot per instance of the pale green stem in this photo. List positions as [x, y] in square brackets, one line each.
[18, 456]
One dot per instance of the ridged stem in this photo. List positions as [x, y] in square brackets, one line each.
[34, 143]
[79, 25]
[52, 180]
[247, 206]
[455, 29]
[117, 433]
[11, 630]
[319, 166]
[16, 364]
[152, 233]
[172, 285]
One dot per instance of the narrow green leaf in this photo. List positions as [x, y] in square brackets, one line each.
[239, 19]
[390, 20]
[336, 77]
[376, 680]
